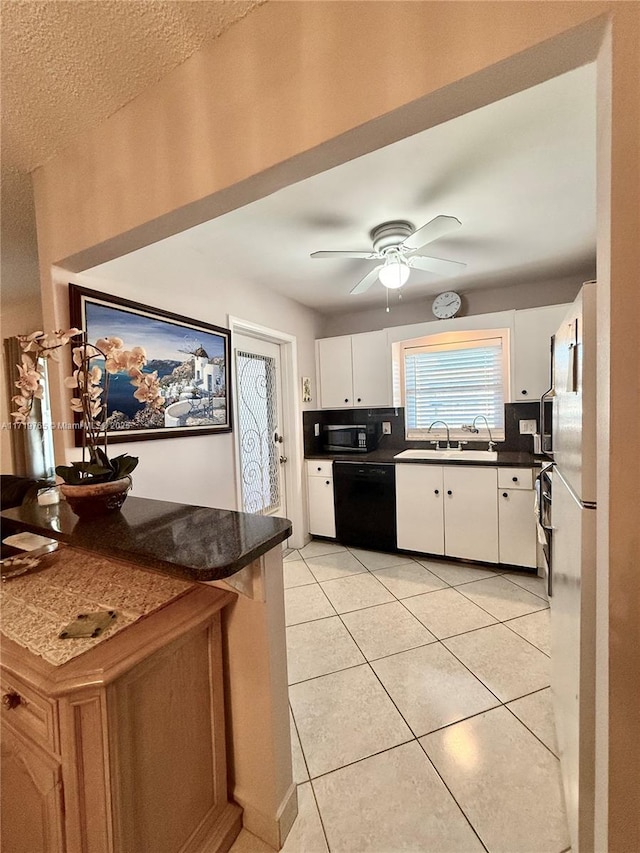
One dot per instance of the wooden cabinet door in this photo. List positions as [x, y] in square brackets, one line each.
[322, 518]
[371, 358]
[420, 522]
[335, 372]
[471, 513]
[532, 332]
[517, 527]
[32, 811]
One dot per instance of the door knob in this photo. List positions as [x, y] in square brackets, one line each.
[11, 700]
[283, 459]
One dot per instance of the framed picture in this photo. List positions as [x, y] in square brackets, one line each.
[191, 359]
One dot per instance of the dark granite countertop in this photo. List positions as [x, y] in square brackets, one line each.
[506, 459]
[190, 542]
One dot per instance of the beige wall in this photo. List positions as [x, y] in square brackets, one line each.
[474, 302]
[297, 87]
[196, 470]
[20, 295]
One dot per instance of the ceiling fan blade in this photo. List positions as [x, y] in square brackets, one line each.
[369, 279]
[435, 265]
[431, 231]
[370, 256]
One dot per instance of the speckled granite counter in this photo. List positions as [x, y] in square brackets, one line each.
[36, 607]
[190, 542]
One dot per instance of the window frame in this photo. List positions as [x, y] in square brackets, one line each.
[445, 339]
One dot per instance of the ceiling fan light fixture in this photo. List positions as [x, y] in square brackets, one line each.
[394, 273]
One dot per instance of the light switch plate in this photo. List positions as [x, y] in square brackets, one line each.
[386, 427]
[528, 427]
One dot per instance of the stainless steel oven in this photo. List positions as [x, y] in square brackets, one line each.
[544, 485]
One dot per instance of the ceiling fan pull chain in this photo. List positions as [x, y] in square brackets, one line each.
[387, 289]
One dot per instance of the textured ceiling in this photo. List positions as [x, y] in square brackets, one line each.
[67, 66]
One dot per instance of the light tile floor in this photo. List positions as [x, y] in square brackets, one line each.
[421, 715]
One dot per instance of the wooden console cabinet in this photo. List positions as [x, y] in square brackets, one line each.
[121, 749]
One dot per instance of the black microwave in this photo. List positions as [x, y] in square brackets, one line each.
[350, 438]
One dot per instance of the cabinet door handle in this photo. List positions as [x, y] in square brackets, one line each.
[524, 392]
[359, 399]
[346, 399]
[449, 492]
[437, 492]
[505, 494]
[319, 468]
[11, 700]
[515, 479]
[328, 482]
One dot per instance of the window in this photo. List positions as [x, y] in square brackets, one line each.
[453, 378]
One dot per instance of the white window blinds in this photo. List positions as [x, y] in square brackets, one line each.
[454, 382]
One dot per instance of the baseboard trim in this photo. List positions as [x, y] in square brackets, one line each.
[272, 830]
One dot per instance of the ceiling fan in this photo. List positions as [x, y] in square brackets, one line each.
[395, 244]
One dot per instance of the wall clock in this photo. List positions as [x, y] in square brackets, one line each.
[446, 305]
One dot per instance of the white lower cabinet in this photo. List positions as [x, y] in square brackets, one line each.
[471, 513]
[474, 513]
[420, 508]
[516, 518]
[322, 516]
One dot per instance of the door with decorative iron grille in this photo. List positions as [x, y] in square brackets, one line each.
[261, 445]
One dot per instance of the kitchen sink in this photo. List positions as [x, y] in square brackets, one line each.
[450, 455]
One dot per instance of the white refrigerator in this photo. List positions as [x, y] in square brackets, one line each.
[573, 561]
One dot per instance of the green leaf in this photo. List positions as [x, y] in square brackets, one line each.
[123, 465]
[70, 474]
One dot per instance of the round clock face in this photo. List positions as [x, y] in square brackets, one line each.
[446, 305]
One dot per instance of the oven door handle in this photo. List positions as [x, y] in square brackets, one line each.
[542, 495]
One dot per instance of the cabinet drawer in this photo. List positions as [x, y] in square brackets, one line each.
[319, 468]
[515, 478]
[28, 711]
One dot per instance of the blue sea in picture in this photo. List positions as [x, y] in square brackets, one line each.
[121, 397]
[121, 390]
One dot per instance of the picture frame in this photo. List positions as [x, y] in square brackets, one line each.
[192, 359]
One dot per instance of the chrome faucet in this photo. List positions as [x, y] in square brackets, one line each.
[446, 426]
[492, 443]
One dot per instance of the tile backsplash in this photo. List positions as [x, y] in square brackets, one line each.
[513, 412]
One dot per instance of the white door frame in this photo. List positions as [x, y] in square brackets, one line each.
[291, 426]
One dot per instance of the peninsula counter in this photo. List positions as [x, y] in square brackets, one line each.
[206, 548]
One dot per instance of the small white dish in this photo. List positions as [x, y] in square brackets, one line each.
[28, 541]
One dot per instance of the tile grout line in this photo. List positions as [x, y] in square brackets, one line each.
[531, 643]
[437, 640]
[298, 784]
[537, 737]
[493, 615]
[462, 811]
[395, 746]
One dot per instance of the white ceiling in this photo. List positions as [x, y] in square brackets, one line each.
[519, 174]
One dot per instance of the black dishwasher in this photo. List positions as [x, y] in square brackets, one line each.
[365, 501]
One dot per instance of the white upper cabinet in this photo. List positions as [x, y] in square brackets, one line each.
[354, 371]
[335, 373]
[532, 335]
